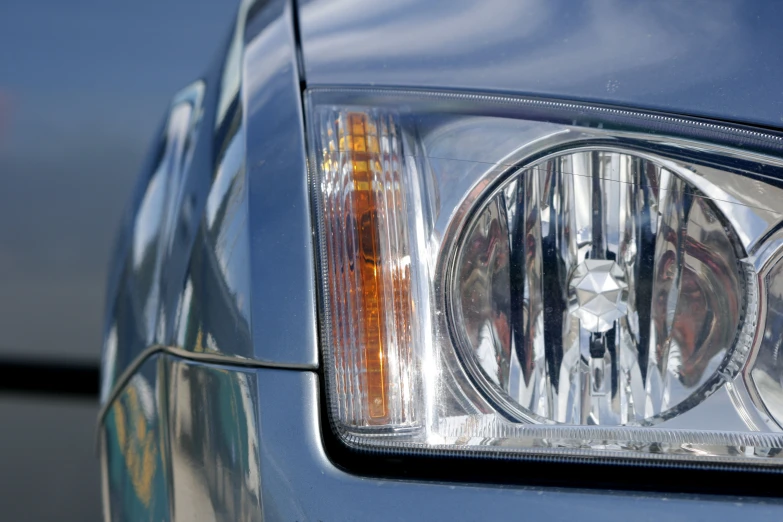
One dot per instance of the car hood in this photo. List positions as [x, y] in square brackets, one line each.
[703, 58]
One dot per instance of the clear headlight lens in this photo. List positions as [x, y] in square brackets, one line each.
[596, 287]
[506, 274]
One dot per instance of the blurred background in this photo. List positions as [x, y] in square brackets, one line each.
[83, 86]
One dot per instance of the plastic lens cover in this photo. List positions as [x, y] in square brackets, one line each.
[523, 276]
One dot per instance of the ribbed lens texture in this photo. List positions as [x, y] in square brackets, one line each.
[367, 289]
[598, 288]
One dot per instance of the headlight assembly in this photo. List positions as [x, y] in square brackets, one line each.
[523, 276]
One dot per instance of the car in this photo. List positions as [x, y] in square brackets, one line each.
[465, 260]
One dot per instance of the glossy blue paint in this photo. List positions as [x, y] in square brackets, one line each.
[237, 276]
[245, 444]
[212, 429]
[134, 450]
[212, 297]
[281, 244]
[719, 59]
[159, 229]
[222, 214]
[180, 443]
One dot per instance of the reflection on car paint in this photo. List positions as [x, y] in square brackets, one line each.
[214, 462]
[134, 449]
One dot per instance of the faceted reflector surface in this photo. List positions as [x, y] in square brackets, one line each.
[598, 287]
[600, 294]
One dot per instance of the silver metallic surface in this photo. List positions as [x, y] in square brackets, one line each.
[249, 441]
[600, 294]
[150, 249]
[206, 307]
[180, 443]
[702, 57]
[213, 450]
[210, 358]
[281, 244]
[253, 443]
[134, 449]
[223, 215]
[764, 375]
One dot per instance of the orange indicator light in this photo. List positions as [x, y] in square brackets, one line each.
[368, 266]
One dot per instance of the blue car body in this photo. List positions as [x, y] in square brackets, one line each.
[211, 387]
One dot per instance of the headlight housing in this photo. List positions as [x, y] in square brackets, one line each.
[519, 276]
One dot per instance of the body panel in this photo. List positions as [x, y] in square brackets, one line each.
[281, 244]
[244, 431]
[211, 426]
[247, 442]
[134, 452]
[221, 213]
[704, 58]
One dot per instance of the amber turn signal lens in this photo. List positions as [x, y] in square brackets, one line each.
[364, 160]
[368, 288]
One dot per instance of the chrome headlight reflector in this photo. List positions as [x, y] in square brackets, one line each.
[615, 283]
[522, 276]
